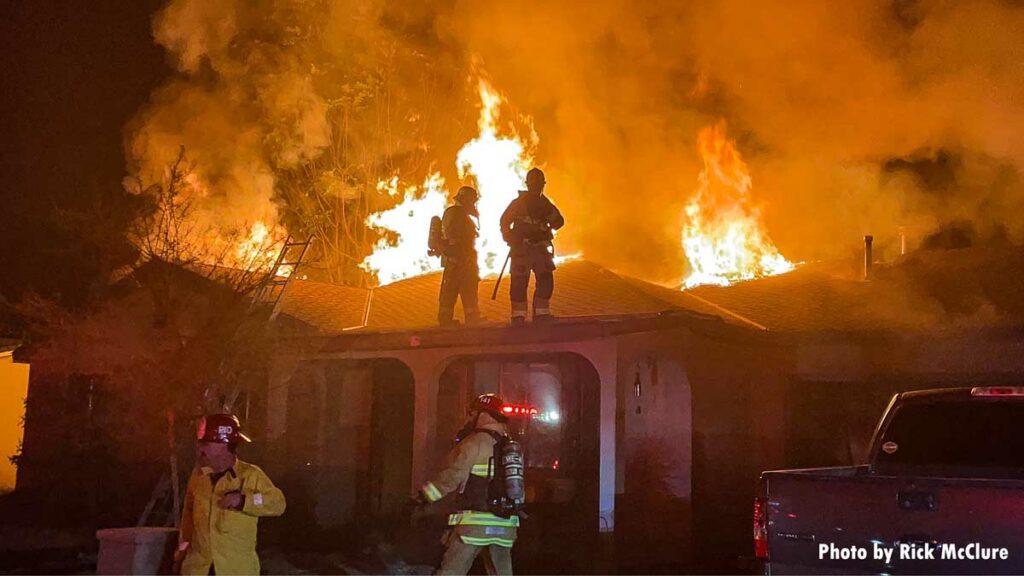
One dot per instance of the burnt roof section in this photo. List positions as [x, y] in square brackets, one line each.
[964, 289]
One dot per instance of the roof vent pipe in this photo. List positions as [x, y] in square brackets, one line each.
[867, 256]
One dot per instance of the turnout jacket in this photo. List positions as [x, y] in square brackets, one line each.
[528, 221]
[226, 539]
[472, 457]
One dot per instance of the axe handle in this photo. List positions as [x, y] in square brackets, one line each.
[494, 294]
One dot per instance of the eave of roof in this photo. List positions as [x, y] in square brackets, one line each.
[564, 330]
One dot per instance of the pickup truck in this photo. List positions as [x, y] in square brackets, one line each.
[942, 492]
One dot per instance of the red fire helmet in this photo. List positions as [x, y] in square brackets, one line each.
[492, 404]
[220, 428]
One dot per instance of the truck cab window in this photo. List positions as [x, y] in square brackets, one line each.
[956, 434]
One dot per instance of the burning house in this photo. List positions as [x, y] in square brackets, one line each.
[650, 407]
[706, 329]
[653, 410]
[646, 407]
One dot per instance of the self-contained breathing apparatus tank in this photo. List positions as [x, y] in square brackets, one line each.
[435, 238]
[507, 488]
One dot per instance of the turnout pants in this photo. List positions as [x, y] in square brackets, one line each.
[459, 555]
[542, 265]
[460, 280]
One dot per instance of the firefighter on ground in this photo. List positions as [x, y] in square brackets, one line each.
[459, 259]
[527, 225]
[223, 503]
[468, 469]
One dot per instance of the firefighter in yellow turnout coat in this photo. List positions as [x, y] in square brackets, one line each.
[223, 504]
[473, 529]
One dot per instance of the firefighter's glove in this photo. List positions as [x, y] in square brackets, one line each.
[417, 508]
[420, 501]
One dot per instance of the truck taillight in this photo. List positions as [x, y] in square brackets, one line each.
[760, 529]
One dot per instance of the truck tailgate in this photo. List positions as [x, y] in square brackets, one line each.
[807, 509]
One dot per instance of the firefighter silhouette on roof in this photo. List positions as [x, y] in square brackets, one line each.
[455, 242]
[528, 225]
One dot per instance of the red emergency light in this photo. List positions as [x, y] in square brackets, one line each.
[514, 410]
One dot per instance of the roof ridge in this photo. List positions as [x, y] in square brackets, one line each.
[632, 282]
[725, 310]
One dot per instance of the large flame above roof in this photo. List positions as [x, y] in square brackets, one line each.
[495, 162]
[724, 236]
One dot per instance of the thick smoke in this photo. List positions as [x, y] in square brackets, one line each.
[855, 117]
[821, 96]
[242, 111]
[290, 112]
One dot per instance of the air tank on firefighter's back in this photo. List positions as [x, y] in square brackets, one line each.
[512, 465]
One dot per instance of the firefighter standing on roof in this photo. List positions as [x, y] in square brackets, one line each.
[527, 225]
[223, 503]
[468, 469]
[459, 259]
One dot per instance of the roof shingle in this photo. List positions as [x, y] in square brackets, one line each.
[582, 289]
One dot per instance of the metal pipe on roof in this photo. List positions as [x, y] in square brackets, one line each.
[867, 256]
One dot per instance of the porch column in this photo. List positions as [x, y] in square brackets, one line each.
[426, 370]
[603, 356]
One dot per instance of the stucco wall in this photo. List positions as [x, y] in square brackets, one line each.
[655, 451]
[709, 418]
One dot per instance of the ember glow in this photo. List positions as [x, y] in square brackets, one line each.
[723, 233]
[494, 162]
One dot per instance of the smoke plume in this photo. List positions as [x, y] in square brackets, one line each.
[855, 117]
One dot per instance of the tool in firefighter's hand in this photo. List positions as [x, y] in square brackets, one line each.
[494, 294]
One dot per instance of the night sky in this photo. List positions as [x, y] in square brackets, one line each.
[74, 73]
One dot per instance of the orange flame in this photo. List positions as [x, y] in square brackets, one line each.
[724, 237]
[201, 237]
[405, 254]
[498, 164]
[259, 250]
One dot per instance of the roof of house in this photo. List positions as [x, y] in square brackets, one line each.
[981, 287]
[927, 290]
[583, 290]
[327, 307]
